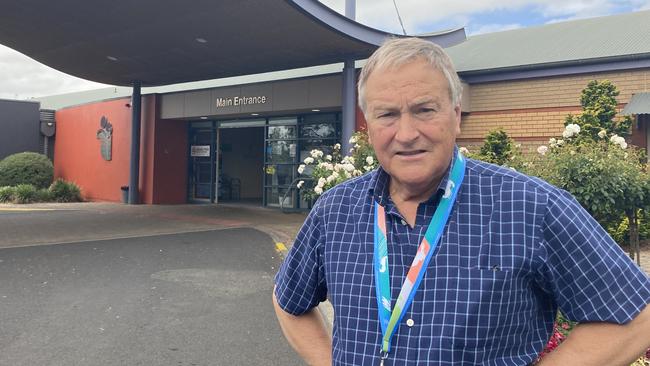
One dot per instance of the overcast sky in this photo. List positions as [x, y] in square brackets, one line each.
[23, 78]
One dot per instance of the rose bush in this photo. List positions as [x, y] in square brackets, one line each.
[325, 171]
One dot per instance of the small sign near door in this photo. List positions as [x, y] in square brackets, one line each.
[200, 150]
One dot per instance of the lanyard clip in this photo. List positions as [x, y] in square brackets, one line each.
[382, 356]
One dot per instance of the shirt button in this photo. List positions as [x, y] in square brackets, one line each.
[403, 222]
[410, 323]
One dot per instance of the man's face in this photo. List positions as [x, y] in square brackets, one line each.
[412, 124]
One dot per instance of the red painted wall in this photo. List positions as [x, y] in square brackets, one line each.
[170, 162]
[163, 152]
[77, 154]
[360, 122]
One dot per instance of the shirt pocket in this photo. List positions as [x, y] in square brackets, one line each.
[478, 306]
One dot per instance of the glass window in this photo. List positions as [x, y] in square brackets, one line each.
[320, 118]
[276, 195]
[319, 130]
[242, 123]
[281, 132]
[283, 121]
[204, 124]
[323, 145]
[282, 151]
[280, 175]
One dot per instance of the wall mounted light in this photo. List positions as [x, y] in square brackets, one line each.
[111, 58]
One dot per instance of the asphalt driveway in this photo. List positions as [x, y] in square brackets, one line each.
[190, 298]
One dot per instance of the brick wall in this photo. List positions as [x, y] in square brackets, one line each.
[531, 111]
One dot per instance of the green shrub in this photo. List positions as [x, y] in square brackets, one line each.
[25, 193]
[63, 191]
[7, 194]
[26, 168]
[44, 195]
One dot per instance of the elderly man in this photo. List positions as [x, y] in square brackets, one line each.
[435, 259]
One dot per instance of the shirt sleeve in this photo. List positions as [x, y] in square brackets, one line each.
[589, 276]
[300, 282]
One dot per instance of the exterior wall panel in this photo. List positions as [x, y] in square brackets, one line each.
[77, 154]
[19, 126]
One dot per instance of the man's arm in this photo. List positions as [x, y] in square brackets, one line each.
[603, 343]
[307, 335]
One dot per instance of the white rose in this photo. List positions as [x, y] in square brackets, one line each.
[321, 182]
[318, 190]
[357, 173]
[309, 160]
[560, 142]
[353, 140]
[370, 160]
[348, 175]
[623, 145]
[328, 157]
[301, 168]
[463, 150]
[573, 128]
[602, 134]
[348, 167]
[299, 185]
[337, 147]
[330, 179]
[542, 150]
[367, 168]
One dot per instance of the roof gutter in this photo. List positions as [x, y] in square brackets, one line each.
[600, 64]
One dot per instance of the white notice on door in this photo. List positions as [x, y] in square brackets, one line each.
[200, 150]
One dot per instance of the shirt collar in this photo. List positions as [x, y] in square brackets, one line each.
[378, 187]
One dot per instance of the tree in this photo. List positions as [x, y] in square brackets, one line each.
[498, 148]
[594, 163]
[598, 101]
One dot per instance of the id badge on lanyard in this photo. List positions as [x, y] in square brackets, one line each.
[390, 318]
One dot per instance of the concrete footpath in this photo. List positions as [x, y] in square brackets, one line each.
[36, 224]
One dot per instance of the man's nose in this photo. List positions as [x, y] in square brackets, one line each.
[407, 131]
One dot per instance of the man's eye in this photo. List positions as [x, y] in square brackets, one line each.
[386, 115]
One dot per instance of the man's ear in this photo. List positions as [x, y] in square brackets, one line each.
[457, 118]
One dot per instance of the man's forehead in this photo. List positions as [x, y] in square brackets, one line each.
[385, 103]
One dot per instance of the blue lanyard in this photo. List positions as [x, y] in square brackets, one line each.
[390, 319]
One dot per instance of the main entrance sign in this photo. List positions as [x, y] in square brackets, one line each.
[237, 101]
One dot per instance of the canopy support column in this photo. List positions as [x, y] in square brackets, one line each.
[349, 105]
[134, 175]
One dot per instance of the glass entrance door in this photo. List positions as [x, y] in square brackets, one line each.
[281, 162]
[202, 166]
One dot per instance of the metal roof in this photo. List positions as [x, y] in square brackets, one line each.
[638, 104]
[159, 42]
[594, 40]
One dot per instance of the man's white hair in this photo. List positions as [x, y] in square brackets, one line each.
[396, 52]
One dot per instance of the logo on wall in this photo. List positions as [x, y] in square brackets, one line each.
[105, 135]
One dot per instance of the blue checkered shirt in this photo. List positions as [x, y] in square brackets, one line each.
[514, 250]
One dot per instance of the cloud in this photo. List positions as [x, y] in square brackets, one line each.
[428, 15]
[491, 28]
[24, 78]
[642, 5]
